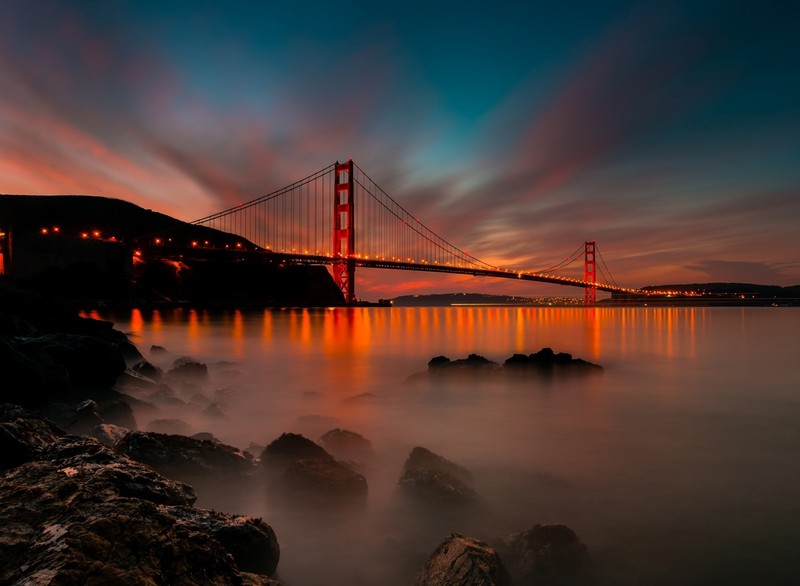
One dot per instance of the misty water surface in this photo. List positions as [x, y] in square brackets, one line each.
[679, 464]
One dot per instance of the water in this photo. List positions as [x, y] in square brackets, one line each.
[680, 464]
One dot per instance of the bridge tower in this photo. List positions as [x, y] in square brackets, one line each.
[344, 263]
[589, 293]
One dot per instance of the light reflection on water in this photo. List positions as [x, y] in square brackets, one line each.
[677, 465]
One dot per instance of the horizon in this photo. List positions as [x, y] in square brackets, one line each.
[667, 132]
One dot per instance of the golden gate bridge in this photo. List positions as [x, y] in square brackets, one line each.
[340, 217]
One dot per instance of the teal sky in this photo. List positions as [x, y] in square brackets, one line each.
[668, 132]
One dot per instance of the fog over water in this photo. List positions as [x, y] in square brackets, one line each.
[678, 464]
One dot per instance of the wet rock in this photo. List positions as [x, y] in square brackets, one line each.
[23, 435]
[321, 482]
[463, 561]
[549, 555]
[545, 360]
[250, 541]
[84, 418]
[473, 363]
[187, 369]
[205, 436]
[213, 411]
[169, 426]
[438, 489]
[81, 513]
[187, 459]
[347, 445]
[29, 374]
[290, 447]
[434, 481]
[88, 360]
[118, 412]
[148, 370]
[156, 349]
[109, 434]
[423, 458]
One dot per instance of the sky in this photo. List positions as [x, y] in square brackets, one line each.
[667, 131]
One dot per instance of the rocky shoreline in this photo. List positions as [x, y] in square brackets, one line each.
[89, 498]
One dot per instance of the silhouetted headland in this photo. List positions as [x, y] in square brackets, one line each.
[89, 251]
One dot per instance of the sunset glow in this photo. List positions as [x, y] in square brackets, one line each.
[667, 132]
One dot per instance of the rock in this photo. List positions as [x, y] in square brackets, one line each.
[213, 411]
[81, 513]
[438, 489]
[183, 458]
[290, 447]
[347, 445]
[321, 482]
[88, 360]
[205, 436]
[144, 368]
[471, 364]
[23, 435]
[29, 374]
[434, 481]
[423, 458]
[118, 412]
[462, 561]
[109, 434]
[83, 419]
[545, 360]
[438, 362]
[250, 541]
[187, 369]
[169, 426]
[155, 349]
[549, 555]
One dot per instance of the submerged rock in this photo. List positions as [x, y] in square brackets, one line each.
[463, 561]
[290, 447]
[546, 360]
[434, 481]
[324, 482]
[550, 555]
[347, 445]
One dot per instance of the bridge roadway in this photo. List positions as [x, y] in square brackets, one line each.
[200, 253]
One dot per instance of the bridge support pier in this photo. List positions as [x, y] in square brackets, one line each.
[589, 276]
[344, 263]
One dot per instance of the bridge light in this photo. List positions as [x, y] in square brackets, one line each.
[238, 245]
[96, 233]
[56, 229]
[44, 230]
[158, 240]
[194, 243]
[84, 234]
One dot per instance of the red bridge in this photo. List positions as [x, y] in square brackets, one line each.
[340, 217]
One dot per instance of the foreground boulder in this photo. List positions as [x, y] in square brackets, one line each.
[462, 561]
[23, 435]
[432, 480]
[549, 555]
[80, 513]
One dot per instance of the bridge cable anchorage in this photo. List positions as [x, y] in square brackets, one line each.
[339, 216]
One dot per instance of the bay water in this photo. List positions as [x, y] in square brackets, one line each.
[678, 464]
